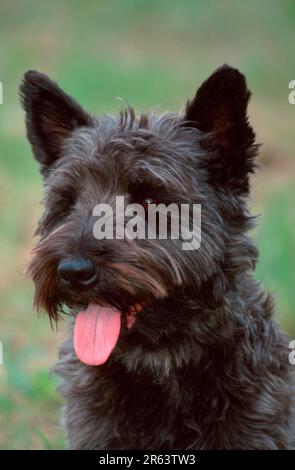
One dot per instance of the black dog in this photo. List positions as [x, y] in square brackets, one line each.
[189, 356]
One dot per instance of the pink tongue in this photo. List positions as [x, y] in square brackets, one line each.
[96, 333]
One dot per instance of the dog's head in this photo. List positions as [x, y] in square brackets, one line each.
[201, 157]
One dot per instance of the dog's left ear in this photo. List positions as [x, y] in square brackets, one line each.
[51, 117]
[219, 111]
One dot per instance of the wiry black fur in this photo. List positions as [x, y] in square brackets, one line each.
[204, 366]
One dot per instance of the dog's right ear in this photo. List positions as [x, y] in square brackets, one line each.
[51, 117]
[219, 111]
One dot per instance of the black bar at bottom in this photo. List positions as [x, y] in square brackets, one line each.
[144, 459]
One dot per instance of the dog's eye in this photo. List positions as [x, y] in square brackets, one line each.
[148, 201]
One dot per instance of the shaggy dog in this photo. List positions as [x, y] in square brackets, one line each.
[168, 348]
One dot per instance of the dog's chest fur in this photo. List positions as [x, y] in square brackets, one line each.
[218, 400]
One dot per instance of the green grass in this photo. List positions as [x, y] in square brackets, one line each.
[148, 53]
[28, 395]
[277, 253]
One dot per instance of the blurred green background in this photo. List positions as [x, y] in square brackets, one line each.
[148, 53]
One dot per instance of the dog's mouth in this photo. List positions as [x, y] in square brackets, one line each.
[97, 329]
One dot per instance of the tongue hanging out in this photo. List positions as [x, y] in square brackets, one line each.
[96, 333]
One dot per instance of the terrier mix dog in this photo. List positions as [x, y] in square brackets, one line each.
[169, 348]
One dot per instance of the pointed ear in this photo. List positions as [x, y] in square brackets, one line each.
[219, 111]
[51, 117]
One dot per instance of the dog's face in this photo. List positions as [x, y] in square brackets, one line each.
[202, 157]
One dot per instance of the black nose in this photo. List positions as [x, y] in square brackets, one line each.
[77, 272]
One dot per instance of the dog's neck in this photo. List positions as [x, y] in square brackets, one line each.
[201, 332]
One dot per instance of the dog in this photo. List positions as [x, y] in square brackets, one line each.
[168, 348]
